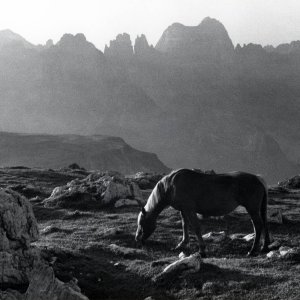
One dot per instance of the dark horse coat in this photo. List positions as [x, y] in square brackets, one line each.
[192, 192]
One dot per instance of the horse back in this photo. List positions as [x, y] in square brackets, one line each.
[214, 194]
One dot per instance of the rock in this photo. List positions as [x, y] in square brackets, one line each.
[29, 191]
[291, 183]
[75, 166]
[286, 253]
[237, 236]
[273, 254]
[22, 265]
[214, 236]
[249, 237]
[18, 226]
[275, 215]
[44, 286]
[146, 181]
[125, 250]
[94, 191]
[126, 202]
[190, 264]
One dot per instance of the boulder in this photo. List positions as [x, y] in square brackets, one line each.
[189, 264]
[94, 191]
[44, 286]
[146, 181]
[275, 215]
[126, 202]
[125, 251]
[285, 252]
[22, 266]
[291, 183]
[18, 226]
[214, 236]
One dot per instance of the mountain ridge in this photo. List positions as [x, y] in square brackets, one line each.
[192, 110]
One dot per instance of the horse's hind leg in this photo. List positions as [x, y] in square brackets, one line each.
[185, 232]
[258, 226]
[192, 216]
[265, 247]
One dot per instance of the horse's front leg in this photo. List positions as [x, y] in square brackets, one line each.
[185, 242]
[192, 217]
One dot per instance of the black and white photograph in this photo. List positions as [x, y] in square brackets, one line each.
[150, 150]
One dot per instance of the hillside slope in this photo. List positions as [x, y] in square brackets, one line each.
[91, 152]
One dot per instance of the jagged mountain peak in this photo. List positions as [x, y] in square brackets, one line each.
[120, 48]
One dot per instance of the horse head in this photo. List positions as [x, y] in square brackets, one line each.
[146, 224]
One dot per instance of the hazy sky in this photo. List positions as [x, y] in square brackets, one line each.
[258, 21]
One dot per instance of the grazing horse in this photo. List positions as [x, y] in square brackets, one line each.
[192, 192]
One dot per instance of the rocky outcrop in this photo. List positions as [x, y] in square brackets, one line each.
[142, 49]
[120, 48]
[291, 183]
[24, 273]
[145, 180]
[18, 224]
[95, 191]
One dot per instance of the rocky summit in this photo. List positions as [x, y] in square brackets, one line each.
[207, 41]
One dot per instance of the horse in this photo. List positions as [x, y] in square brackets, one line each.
[192, 192]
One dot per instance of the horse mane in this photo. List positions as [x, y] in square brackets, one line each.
[157, 197]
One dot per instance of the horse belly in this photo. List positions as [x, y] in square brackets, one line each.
[217, 206]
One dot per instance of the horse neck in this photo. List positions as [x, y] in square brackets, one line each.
[155, 204]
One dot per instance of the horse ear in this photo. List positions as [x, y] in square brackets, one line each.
[143, 211]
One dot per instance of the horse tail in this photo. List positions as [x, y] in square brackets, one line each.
[264, 210]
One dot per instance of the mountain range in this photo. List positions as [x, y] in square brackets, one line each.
[195, 99]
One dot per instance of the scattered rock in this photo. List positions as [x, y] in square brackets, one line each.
[275, 215]
[44, 285]
[190, 264]
[214, 236]
[236, 236]
[286, 253]
[249, 237]
[29, 191]
[146, 181]
[94, 191]
[125, 251]
[291, 183]
[75, 166]
[127, 202]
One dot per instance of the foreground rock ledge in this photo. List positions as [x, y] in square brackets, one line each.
[21, 265]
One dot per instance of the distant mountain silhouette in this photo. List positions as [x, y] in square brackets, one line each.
[9, 38]
[207, 41]
[91, 152]
[193, 99]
